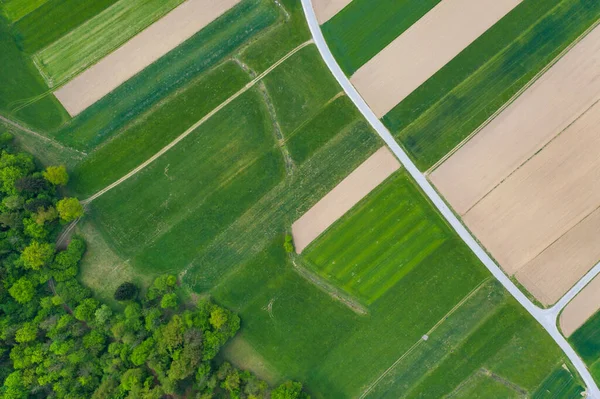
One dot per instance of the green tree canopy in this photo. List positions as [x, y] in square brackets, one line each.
[22, 290]
[56, 175]
[37, 255]
[69, 209]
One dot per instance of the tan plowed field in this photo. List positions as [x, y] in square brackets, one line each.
[554, 271]
[544, 198]
[528, 184]
[529, 123]
[581, 308]
[343, 197]
[139, 52]
[326, 9]
[423, 49]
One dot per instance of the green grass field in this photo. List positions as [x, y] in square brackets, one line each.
[400, 231]
[467, 91]
[52, 20]
[14, 10]
[307, 138]
[97, 37]
[586, 341]
[21, 83]
[296, 93]
[154, 129]
[360, 31]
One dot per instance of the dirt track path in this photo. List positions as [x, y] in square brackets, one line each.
[183, 135]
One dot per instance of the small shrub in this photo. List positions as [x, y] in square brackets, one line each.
[126, 292]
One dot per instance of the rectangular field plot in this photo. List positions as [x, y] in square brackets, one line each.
[527, 183]
[97, 37]
[343, 197]
[139, 52]
[382, 239]
[424, 48]
[581, 308]
[453, 103]
[360, 30]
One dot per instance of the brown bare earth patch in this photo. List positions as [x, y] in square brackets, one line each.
[343, 197]
[423, 49]
[553, 102]
[139, 52]
[555, 270]
[326, 9]
[544, 198]
[528, 184]
[581, 308]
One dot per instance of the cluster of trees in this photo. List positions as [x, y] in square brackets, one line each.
[57, 340]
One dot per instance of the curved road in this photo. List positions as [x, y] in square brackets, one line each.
[546, 317]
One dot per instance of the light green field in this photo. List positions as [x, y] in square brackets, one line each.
[14, 10]
[383, 238]
[97, 37]
[474, 85]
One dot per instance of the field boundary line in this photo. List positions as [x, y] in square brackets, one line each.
[556, 136]
[25, 129]
[429, 332]
[186, 133]
[336, 293]
[518, 94]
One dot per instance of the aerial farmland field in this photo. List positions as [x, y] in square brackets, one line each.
[540, 188]
[198, 165]
[360, 31]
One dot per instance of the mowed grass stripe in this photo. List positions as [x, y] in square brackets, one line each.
[98, 37]
[467, 91]
[361, 30]
[398, 231]
[54, 19]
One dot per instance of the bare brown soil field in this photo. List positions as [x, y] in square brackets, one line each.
[139, 52]
[423, 49]
[326, 9]
[343, 197]
[556, 269]
[544, 198]
[553, 102]
[581, 308]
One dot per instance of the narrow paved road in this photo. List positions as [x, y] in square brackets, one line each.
[546, 317]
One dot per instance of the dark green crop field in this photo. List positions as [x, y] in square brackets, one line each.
[361, 30]
[473, 86]
[586, 341]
